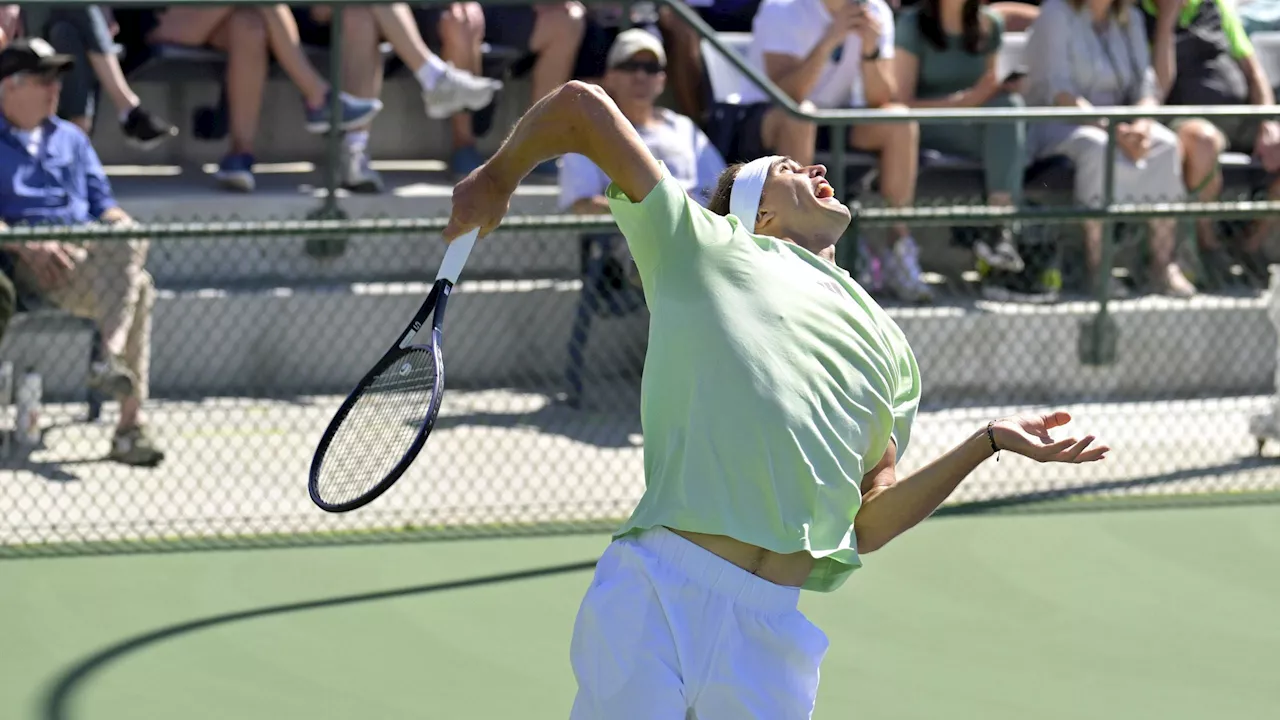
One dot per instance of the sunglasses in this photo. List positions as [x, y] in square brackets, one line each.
[649, 67]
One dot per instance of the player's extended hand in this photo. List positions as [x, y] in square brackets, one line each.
[479, 201]
[1029, 435]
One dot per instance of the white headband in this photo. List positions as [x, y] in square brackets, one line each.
[744, 199]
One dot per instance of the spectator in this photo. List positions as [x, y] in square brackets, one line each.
[84, 32]
[1202, 56]
[459, 30]
[53, 176]
[838, 54]
[553, 32]
[1086, 53]
[246, 34]
[684, 45]
[635, 77]
[946, 58]
[446, 89]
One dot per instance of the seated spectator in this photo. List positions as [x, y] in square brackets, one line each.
[552, 32]
[53, 176]
[250, 35]
[837, 54]
[84, 32]
[1086, 53]
[946, 58]
[635, 78]
[1202, 56]
[684, 46]
[446, 89]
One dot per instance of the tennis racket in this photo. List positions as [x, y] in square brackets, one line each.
[384, 422]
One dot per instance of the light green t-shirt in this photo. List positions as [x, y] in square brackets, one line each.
[771, 381]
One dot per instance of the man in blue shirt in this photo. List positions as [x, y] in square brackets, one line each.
[50, 175]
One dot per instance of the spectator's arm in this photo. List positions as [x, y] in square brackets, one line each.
[1163, 58]
[115, 215]
[1149, 92]
[1241, 48]
[879, 84]
[582, 186]
[9, 25]
[99, 187]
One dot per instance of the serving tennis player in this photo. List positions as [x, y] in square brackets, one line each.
[777, 399]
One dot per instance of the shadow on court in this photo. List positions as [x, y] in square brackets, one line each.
[62, 689]
[1050, 500]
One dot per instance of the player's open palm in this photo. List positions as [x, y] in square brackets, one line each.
[479, 201]
[1033, 436]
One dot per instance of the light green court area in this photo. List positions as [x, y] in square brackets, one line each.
[1126, 614]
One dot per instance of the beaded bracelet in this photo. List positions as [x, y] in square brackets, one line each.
[991, 436]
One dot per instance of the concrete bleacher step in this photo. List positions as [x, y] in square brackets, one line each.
[291, 341]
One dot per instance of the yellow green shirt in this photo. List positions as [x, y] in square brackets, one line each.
[771, 383]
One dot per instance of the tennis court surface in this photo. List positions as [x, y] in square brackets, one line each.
[1165, 614]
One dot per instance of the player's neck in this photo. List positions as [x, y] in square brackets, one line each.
[822, 247]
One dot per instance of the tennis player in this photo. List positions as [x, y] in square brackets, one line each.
[777, 400]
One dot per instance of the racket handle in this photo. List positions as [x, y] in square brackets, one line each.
[456, 256]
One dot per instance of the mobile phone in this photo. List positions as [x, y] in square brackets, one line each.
[1013, 76]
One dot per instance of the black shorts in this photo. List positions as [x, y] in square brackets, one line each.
[735, 130]
[310, 31]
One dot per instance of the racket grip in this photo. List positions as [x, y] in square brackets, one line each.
[456, 256]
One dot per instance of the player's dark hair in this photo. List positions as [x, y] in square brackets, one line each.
[718, 203]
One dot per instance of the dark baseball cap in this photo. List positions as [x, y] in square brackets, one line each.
[32, 55]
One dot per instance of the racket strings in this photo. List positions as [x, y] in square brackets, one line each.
[379, 429]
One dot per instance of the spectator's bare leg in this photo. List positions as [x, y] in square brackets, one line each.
[898, 145]
[111, 77]
[190, 26]
[1201, 144]
[684, 62]
[397, 26]
[461, 36]
[557, 35]
[1256, 242]
[286, 48]
[786, 135]
[243, 37]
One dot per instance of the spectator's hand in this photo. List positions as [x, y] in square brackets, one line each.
[51, 262]
[845, 21]
[984, 90]
[1267, 146]
[1029, 436]
[9, 16]
[868, 28]
[1134, 139]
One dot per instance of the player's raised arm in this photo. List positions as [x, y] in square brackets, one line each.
[574, 118]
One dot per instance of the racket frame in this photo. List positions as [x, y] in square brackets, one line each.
[436, 301]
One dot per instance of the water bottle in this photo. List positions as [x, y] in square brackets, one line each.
[30, 388]
[6, 399]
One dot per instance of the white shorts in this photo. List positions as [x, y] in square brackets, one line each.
[669, 631]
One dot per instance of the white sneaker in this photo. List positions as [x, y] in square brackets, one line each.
[901, 268]
[357, 176]
[457, 90]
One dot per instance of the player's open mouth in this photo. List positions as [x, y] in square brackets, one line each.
[824, 191]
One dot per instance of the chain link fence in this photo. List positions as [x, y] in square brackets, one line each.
[256, 337]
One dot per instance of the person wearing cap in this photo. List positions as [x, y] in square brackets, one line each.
[635, 77]
[50, 175]
[776, 402]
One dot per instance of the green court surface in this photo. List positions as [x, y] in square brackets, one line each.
[1121, 614]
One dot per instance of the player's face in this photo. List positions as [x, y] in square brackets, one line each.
[798, 202]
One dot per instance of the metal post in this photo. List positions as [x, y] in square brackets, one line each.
[331, 247]
[1098, 339]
